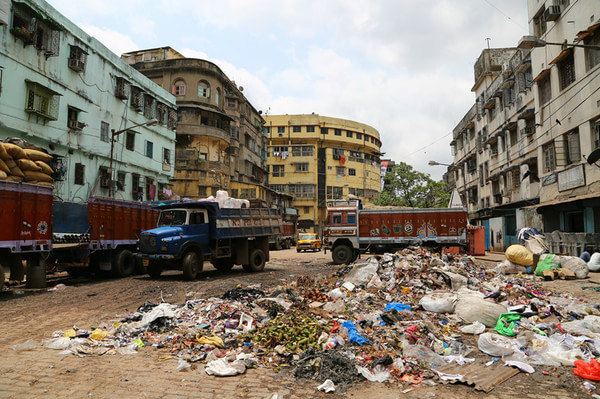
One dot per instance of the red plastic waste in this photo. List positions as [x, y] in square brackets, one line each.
[589, 371]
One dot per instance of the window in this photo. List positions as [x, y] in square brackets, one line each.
[279, 151]
[351, 172]
[351, 218]
[79, 174]
[121, 88]
[572, 148]
[337, 152]
[77, 58]
[340, 171]
[149, 105]
[549, 157]
[338, 132]
[42, 101]
[136, 192]
[301, 167]
[32, 30]
[592, 56]
[336, 218]
[150, 189]
[306, 209]
[104, 134]
[121, 181]
[202, 192]
[311, 129]
[278, 170]
[179, 88]
[359, 136]
[266, 129]
[596, 133]
[137, 98]
[280, 129]
[130, 141]
[544, 89]
[203, 89]
[566, 70]
[334, 192]
[73, 119]
[218, 97]
[231, 103]
[296, 129]
[104, 177]
[516, 178]
[149, 148]
[167, 156]
[539, 23]
[349, 134]
[197, 218]
[302, 151]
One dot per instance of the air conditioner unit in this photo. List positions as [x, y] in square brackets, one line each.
[76, 64]
[552, 13]
[76, 125]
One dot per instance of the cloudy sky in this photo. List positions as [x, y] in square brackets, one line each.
[404, 67]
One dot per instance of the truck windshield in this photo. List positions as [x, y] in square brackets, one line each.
[172, 218]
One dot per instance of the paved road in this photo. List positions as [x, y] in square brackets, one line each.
[152, 373]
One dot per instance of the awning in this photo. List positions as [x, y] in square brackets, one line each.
[542, 75]
[559, 200]
[584, 34]
[41, 86]
[561, 56]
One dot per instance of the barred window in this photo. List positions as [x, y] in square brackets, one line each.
[566, 70]
[549, 157]
[572, 147]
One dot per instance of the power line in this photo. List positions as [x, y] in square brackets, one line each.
[505, 14]
[430, 144]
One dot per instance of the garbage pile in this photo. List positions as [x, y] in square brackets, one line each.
[411, 317]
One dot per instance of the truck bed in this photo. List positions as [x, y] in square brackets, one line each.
[247, 222]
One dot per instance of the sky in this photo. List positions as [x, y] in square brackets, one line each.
[403, 67]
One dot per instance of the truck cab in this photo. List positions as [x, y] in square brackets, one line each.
[340, 234]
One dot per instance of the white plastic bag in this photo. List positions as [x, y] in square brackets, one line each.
[588, 326]
[472, 307]
[379, 373]
[575, 264]
[495, 345]
[439, 302]
[475, 328]
[507, 267]
[594, 263]
[362, 273]
[221, 368]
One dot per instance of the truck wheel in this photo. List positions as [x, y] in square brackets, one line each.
[278, 245]
[154, 269]
[287, 244]
[17, 271]
[123, 264]
[257, 261]
[355, 256]
[1, 278]
[342, 254]
[298, 250]
[223, 265]
[191, 265]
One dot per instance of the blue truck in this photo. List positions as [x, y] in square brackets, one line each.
[190, 233]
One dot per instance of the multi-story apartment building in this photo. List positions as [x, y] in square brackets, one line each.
[316, 158]
[494, 147]
[520, 151]
[63, 91]
[220, 143]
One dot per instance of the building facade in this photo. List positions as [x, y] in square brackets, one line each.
[520, 151]
[317, 158]
[63, 91]
[220, 143]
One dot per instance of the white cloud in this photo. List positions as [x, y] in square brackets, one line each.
[117, 42]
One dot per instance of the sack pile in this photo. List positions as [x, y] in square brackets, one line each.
[19, 164]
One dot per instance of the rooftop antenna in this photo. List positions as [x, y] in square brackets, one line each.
[487, 39]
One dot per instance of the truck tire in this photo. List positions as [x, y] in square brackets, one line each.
[286, 244]
[256, 260]
[342, 254]
[154, 269]
[123, 264]
[223, 265]
[17, 271]
[192, 265]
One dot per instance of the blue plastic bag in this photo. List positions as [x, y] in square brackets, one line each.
[353, 335]
[398, 307]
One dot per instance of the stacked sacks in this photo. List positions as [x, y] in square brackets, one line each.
[29, 165]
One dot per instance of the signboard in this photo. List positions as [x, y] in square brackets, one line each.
[571, 178]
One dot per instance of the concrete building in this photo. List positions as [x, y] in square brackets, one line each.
[220, 143]
[63, 91]
[494, 147]
[316, 158]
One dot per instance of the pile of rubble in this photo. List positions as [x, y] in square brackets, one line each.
[411, 317]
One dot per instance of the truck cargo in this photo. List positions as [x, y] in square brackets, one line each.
[352, 230]
[190, 233]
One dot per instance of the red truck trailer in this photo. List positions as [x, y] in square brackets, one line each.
[26, 232]
[352, 230]
[287, 237]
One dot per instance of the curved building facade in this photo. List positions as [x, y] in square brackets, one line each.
[317, 158]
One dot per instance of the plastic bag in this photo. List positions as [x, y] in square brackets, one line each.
[588, 326]
[379, 373]
[353, 335]
[327, 386]
[589, 371]
[575, 264]
[182, 365]
[362, 273]
[439, 302]
[423, 354]
[25, 346]
[398, 307]
[520, 255]
[471, 307]
[474, 328]
[508, 323]
[222, 368]
[556, 350]
[495, 345]
[547, 262]
[520, 365]
[594, 263]
[507, 267]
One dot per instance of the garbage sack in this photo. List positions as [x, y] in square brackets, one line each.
[222, 368]
[556, 350]
[164, 310]
[457, 281]
[474, 328]
[547, 262]
[362, 273]
[327, 386]
[507, 267]
[423, 354]
[520, 255]
[585, 256]
[575, 264]
[379, 373]
[588, 370]
[495, 345]
[508, 324]
[439, 302]
[588, 326]
[594, 263]
[471, 307]
[353, 335]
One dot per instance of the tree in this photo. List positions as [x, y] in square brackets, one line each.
[407, 187]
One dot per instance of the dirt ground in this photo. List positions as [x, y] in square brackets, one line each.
[42, 373]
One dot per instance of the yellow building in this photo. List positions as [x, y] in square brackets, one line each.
[317, 158]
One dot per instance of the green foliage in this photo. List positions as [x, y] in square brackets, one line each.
[407, 187]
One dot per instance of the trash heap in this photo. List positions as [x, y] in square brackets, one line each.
[411, 317]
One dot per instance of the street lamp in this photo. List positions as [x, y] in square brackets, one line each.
[114, 133]
[530, 42]
[436, 163]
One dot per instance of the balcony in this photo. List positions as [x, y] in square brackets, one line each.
[203, 130]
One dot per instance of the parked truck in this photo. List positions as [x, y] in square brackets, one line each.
[190, 233]
[352, 230]
[287, 238]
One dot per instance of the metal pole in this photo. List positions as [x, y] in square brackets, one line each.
[110, 168]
